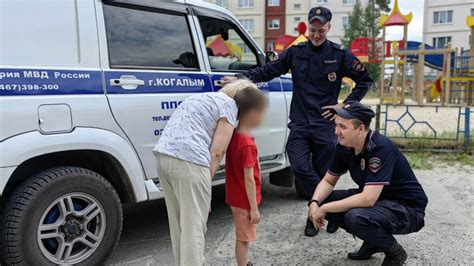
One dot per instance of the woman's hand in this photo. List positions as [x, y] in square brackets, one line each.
[254, 216]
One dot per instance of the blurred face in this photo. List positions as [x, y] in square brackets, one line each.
[348, 134]
[318, 32]
[253, 118]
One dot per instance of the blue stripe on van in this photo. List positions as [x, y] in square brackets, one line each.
[286, 83]
[160, 82]
[49, 82]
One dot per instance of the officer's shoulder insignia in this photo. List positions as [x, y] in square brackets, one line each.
[375, 164]
[339, 47]
[301, 43]
[357, 66]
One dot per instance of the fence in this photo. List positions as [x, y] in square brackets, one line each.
[426, 127]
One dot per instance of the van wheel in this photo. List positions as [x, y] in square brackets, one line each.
[66, 215]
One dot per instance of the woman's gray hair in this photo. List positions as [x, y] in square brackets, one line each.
[233, 87]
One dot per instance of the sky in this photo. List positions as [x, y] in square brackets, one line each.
[415, 28]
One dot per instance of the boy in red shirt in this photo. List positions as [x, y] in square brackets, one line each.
[243, 181]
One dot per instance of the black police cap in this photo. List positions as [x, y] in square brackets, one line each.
[320, 13]
[355, 110]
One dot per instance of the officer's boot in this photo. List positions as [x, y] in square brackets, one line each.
[364, 253]
[331, 228]
[395, 256]
[310, 230]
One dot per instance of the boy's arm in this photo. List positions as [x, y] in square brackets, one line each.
[251, 195]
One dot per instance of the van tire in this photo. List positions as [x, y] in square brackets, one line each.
[36, 198]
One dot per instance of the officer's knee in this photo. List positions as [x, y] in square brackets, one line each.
[355, 220]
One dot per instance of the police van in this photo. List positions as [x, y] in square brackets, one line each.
[86, 88]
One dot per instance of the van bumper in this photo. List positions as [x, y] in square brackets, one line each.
[5, 173]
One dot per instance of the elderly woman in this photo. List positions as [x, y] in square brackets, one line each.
[188, 155]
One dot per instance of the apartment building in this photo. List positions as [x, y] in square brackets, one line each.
[445, 22]
[266, 20]
[297, 10]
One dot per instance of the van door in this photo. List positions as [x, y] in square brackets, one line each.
[230, 51]
[150, 66]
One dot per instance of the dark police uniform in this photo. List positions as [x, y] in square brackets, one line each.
[317, 74]
[400, 208]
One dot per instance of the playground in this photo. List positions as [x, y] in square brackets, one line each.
[423, 92]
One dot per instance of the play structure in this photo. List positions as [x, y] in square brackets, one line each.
[452, 67]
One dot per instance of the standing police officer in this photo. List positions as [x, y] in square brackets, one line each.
[317, 67]
[389, 199]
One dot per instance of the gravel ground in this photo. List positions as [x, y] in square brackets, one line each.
[447, 239]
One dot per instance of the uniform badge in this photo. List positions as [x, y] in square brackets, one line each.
[362, 164]
[375, 164]
[332, 76]
[357, 66]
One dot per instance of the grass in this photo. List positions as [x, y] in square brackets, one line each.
[427, 160]
[345, 91]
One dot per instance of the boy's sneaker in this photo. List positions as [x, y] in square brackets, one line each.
[249, 263]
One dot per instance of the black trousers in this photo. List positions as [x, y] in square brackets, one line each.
[378, 224]
[310, 157]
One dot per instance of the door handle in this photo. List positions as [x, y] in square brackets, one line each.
[127, 82]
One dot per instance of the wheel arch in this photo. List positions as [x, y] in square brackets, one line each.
[98, 161]
[102, 151]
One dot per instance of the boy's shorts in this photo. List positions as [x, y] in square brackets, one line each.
[244, 230]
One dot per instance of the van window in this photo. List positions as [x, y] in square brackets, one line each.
[226, 48]
[146, 39]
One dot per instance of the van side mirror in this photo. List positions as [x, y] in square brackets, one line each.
[271, 56]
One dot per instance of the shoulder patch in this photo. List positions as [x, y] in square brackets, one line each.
[357, 66]
[375, 164]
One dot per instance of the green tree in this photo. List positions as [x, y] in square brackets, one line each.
[364, 22]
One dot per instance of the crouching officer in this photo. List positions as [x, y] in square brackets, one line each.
[317, 67]
[389, 199]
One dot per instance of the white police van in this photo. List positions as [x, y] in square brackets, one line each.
[86, 88]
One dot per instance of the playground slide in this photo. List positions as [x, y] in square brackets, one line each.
[432, 61]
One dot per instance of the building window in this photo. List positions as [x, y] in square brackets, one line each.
[245, 3]
[248, 24]
[321, 1]
[472, 12]
[223, 3]
[441, 42]
[270, 46]
[273, 2]
[273, 24]
[443, 17]
[245, 48]
[297, 19]
[348, 2]
[345, 22]
[297, 6]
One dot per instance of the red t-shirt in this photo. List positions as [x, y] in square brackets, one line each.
[241, 153]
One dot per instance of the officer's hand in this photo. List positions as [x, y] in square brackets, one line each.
[312, 211]
[318, 218]
[227, 79]
[329, 114]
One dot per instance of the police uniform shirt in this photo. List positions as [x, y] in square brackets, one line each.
[317, 74]
[381, 163]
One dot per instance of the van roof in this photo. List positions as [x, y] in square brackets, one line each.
[201, 3]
